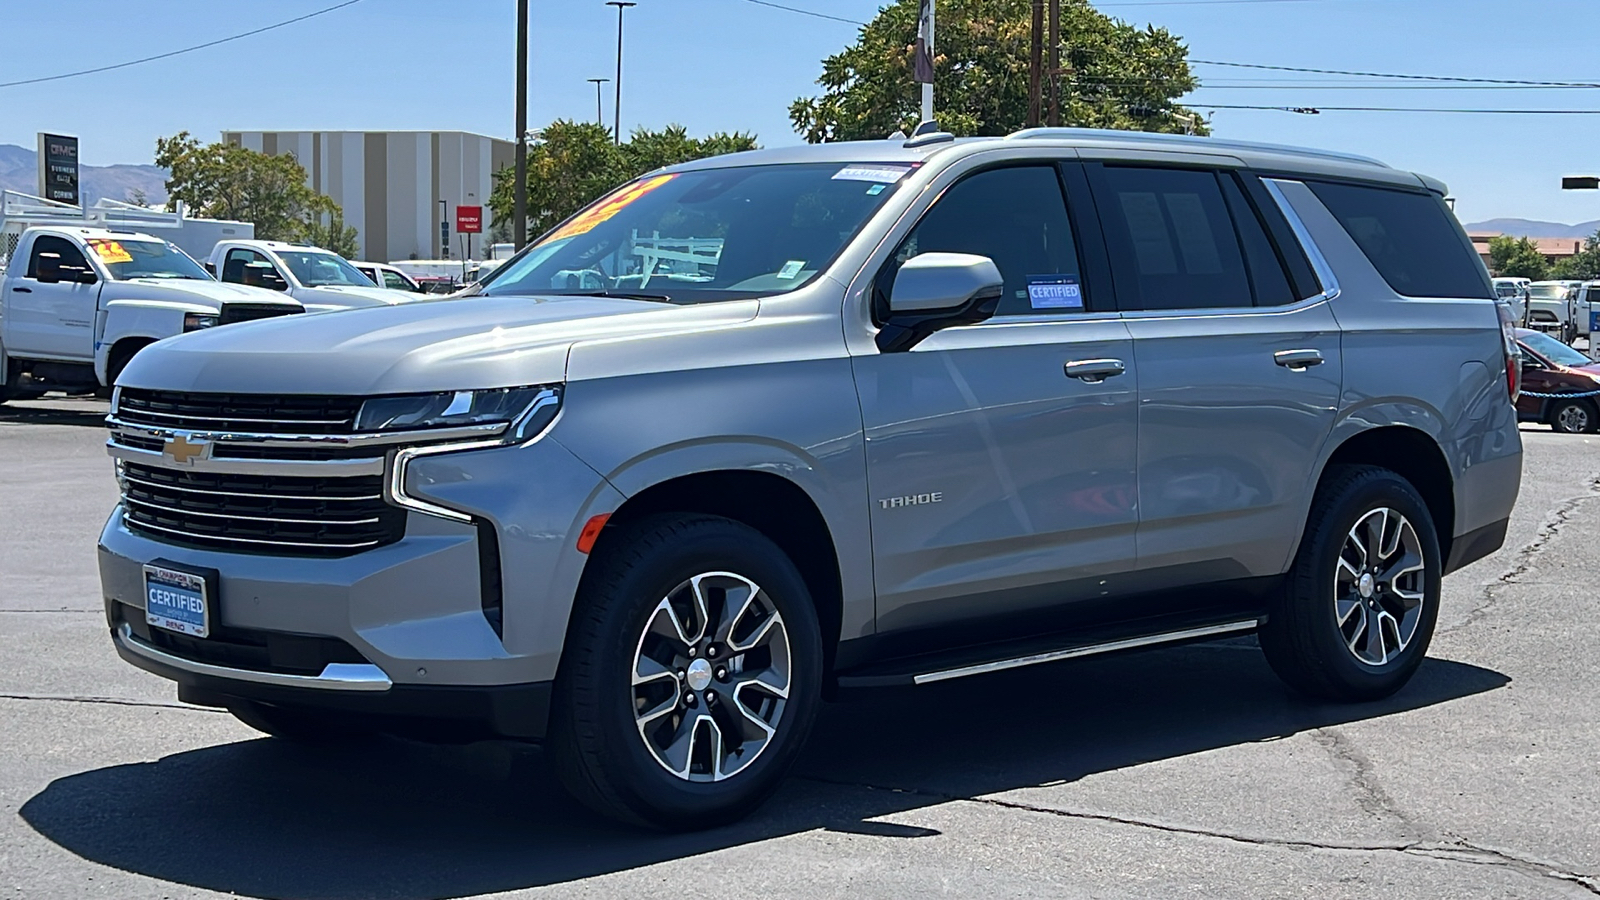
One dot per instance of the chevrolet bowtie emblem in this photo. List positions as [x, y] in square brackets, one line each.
[183, 451]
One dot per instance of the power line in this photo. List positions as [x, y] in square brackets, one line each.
[1193, 104]
[1456, 78]
[805, 12]
[172, 53]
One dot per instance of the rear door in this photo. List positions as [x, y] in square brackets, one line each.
[47, 320]
[999, 483]
[1239, 369]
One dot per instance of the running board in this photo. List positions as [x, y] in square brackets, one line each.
[932, 673]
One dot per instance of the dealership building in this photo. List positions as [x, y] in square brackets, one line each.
[395, 187]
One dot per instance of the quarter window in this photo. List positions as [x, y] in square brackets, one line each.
[1172, 240]
[1411, 238]
[1017, 217]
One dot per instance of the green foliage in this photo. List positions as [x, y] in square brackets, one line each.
[1581, 266]
[1511, 257]
[577, 162]
[225, 181]
[1115, 75]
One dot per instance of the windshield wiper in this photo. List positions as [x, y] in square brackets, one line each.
[625, 295]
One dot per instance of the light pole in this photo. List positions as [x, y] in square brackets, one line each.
[599, 112]
[616, 109]
[519, 205]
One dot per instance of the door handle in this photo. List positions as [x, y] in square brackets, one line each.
[1298, 360]
[22, 290]
[1094, 371]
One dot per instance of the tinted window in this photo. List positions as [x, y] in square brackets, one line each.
[1172, 240]
[71, 257]
[1016, 217]
[1267, 276]
[233, 268]
[394, 280]
[1412, 240]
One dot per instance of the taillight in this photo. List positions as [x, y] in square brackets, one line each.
[1508, 346]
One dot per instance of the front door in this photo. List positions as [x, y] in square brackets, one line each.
[1239, 372]
[999, 483]
[51, 320]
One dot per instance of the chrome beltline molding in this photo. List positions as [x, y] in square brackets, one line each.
[334, 677]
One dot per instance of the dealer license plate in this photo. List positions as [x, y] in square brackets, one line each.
[176, 601]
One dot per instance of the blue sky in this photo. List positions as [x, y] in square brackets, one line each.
[736, 65]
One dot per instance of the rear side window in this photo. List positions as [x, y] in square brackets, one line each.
[1412, 240]
[1172, 240]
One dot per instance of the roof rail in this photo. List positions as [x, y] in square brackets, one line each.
[1211, 143]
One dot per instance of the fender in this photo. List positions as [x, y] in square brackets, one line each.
[153, 319]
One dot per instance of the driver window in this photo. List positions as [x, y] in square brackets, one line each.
[71, 258]
[394, 281]
[235, 268]
[1016, 216]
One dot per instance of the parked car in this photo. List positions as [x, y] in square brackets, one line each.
[319, 279]
[1559, 385]
[896, 413]
[77, 303]
[1514, 291]
[1588, 309]
[1553, 308]
[385, 275]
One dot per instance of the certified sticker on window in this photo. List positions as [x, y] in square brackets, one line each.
[110, 252]
[1054, 292]
[607, 207]
[886, 174]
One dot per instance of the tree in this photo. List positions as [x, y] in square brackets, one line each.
[575, 163]
[1517, 258]
[325, 228]
[1581, 266]
[226, 181]
[1114, 75]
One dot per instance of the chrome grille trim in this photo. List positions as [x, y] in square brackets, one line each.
[320, 546]
[275, 519]
[286, 439]
[300, 468]
[174, 487]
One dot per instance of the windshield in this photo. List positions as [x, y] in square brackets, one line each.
[1555, 351]
[1506, 289]
[1549, 291]
[693, 237]
[321, 269]
[146, 259]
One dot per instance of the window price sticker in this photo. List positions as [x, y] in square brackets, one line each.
[1054, 292]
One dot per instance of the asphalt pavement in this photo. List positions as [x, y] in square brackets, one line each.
[1181, 773]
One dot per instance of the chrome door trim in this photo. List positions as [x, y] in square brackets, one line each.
[1319, 263]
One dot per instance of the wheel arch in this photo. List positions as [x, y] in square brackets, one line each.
[1412, 454]
[123, 350]
[775, 506]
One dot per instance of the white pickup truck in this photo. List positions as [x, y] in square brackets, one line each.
[320, 280]
[77, 303]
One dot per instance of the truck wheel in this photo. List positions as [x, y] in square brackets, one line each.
[1573, 417]
[301, 725]
[1359, 605]
[691, 675]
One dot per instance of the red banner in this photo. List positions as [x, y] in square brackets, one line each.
[469, 220]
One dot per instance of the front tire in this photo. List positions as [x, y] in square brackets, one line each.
[1358, 608]
[691, 676]
[1573, 417]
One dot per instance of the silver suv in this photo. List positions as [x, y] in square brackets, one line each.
[757, 429]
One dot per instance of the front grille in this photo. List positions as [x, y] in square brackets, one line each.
[253, 413]
[276, 514]
[249, 312]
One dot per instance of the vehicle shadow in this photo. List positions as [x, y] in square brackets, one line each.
[88, 416]
[264, 818]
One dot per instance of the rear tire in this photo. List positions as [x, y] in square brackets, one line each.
[1359, 606]
[691, 676]
[304, 726]
[1573, 417]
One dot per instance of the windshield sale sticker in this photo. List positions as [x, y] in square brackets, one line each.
[1054, 292]
[110, 252]
[880, 174]
[607, 207]
[791, 269]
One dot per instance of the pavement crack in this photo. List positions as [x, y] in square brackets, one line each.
[1369, 794]
[1526, 557]
[1457, 852]
[108, 701]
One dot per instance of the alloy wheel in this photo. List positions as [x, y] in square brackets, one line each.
[1573, 419]
[1379, 586]
[711, 677]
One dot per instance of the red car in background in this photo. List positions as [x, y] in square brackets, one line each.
[1551, 371]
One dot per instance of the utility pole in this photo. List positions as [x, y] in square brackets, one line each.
[616, 109]
[519, 214]
[599, 112]
[1035, 63]
[1055, 64]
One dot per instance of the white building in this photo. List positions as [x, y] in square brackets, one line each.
[390, 184]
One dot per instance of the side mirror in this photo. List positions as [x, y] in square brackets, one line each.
[85, 275]
[938, 290]
[48, 269]
[262, 275]
[210, 269]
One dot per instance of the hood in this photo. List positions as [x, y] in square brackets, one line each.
[341, 297]
[425, 346]
[208, 294]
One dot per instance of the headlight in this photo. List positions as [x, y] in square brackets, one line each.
[197, 321]
[528, 409]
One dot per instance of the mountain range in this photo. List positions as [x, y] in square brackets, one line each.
[19, 171]
[1535, 229]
